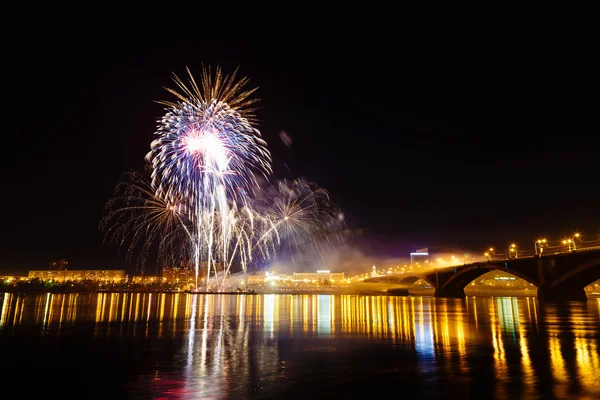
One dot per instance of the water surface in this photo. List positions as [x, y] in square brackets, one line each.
[184, 346]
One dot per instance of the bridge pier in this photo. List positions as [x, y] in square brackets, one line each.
[546, 293]
[398, 292]
[452, 293]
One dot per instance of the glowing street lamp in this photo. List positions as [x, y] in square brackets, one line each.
[540, 244]
[451, 260]
[571, 241]
[575, 236]
[488, 253]
[512, 251]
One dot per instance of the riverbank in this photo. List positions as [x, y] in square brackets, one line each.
[320, 291]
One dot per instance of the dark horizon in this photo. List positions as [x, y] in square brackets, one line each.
[449, 147]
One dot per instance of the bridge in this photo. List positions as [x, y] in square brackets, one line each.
[562, 276]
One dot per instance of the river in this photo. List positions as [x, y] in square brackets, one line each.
[189, 346]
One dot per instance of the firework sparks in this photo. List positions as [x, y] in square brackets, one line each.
[203, 201]
[208, 153]
[137, 219]
[300, 219]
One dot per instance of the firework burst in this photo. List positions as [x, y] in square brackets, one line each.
[207, 152]
[137, 219]
[203, 202]
[299, 219]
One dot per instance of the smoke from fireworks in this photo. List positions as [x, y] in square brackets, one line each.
[301, 220]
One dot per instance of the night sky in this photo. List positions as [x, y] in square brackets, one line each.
[452, 144]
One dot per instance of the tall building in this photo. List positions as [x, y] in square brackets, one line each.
[61, 264]
[419, 258]
[178, 275]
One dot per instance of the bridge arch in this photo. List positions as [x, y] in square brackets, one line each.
[455, 284]
[581, 273]
[411, 280]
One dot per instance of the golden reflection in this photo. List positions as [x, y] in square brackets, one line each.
[406, 324]
[380, 320]
[588, 364]
[111, 306]
[443, 334]
[436, 331]
[149, 305]
[332, 314]
[445, 328]
[529, 379]
[62, 310]
[124, 306]
[18, 314]
[7, 297]
[270, 313]
[535, 313]
[291, 312]
[557, 364]
[314, 312]
[258, 308]
[47, 309]
[460, 338]
[412, 320]
[174, 311]
[103, 306]
[98, 307]
[305, 313]
[475, 314]
[137, 307]
[424, 340]
[498, 344]
[162, 298]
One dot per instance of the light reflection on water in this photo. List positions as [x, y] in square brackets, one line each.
[244, 346]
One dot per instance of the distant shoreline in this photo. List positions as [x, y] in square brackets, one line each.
[341, 291]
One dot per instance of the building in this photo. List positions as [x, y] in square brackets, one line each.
[12, 278]
[320, 275]
[178, 275]
[419, 257]
[112, 276]
[259, 278]
[146, 279]
[375, 274]
[61, 264]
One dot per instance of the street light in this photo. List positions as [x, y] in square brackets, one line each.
[572, 241]
[513, 250]
[539, 244]
[575, 236]
[488, 253]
